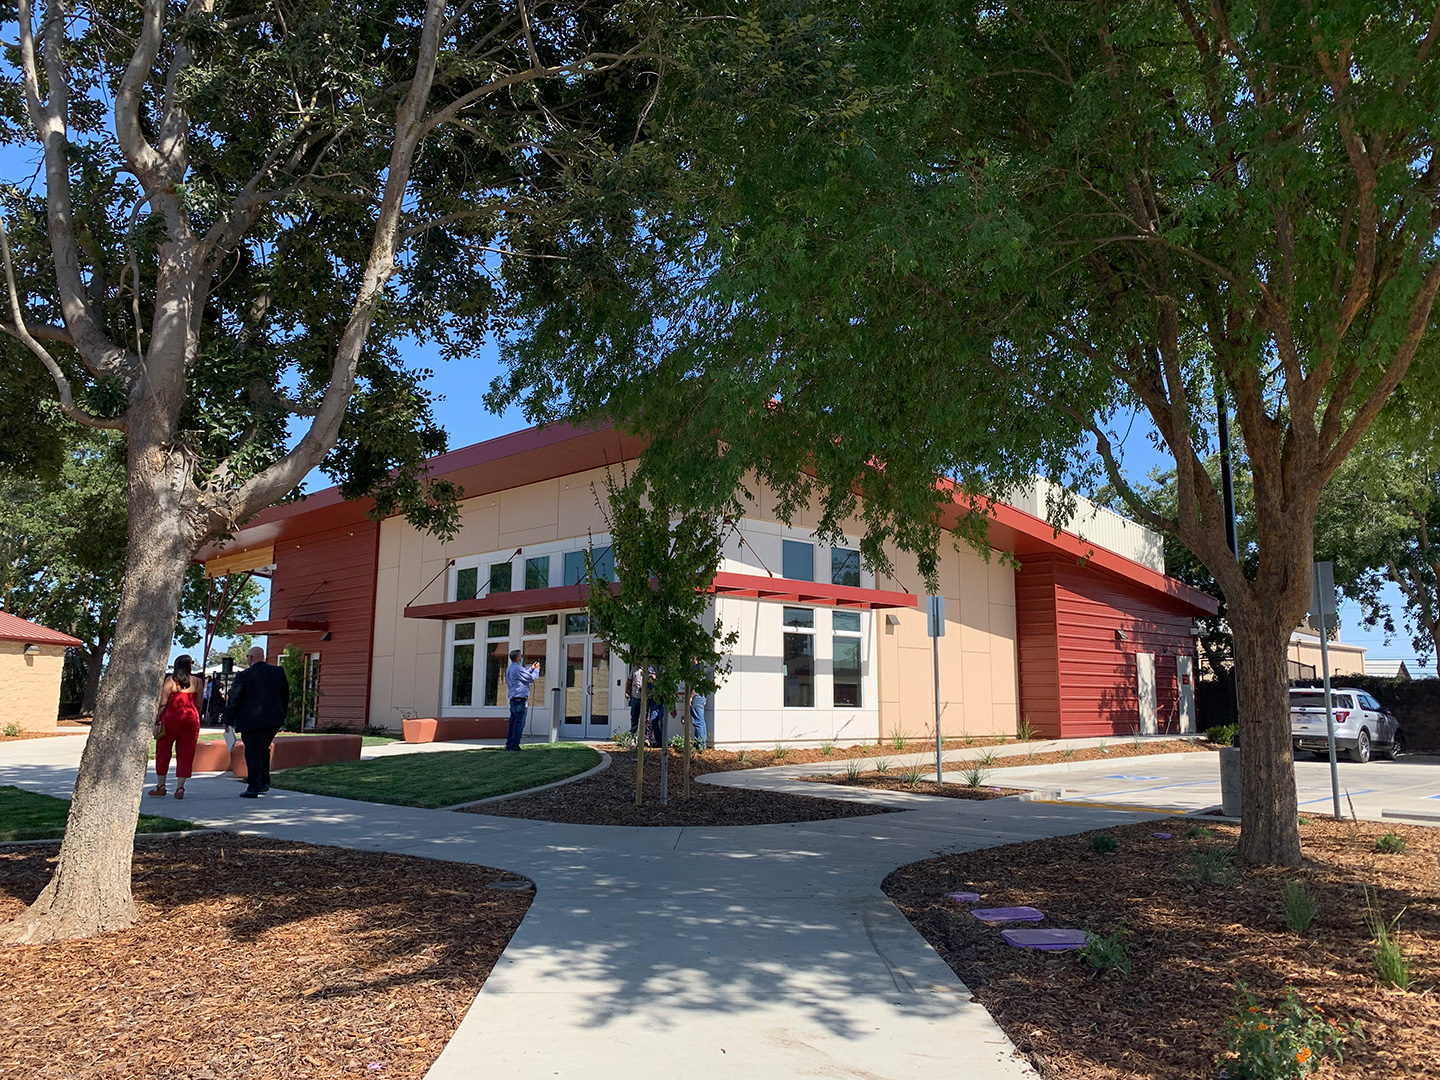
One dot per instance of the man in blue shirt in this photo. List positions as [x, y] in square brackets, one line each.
[517, 687]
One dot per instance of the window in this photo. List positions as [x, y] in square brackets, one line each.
[500, 577]
[575, 565]
[799, 661]
[605, 563]
[798, 561]
[537, 572]
[577, 624]
[462, 664]
[533, 646]
[497, 659]
[467, 582]
[845, 646]
[845, 567]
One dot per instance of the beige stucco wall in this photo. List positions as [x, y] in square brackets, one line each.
[30, 686]
[1344, 659]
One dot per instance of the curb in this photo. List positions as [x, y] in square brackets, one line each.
[604, 764]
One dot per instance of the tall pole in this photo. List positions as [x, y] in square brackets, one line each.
[935, 653]
[1329, 702]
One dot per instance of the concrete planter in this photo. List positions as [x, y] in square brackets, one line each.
[1230, 780]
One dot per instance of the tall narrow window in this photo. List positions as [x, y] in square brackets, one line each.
[799, 660]
[797, 560]
[574, 567]
[845, 646]
[467, 583]
[462, 664]
[605, 563]
[497, 659]
[537, 572]
[533, 646]
[500, 577]
[845, 567]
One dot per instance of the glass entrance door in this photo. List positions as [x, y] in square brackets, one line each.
[587, 689]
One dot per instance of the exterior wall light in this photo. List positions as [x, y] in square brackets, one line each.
[1120, 635]
[32, 650]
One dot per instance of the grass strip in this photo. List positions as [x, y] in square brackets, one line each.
[26, 815]
[441, 779]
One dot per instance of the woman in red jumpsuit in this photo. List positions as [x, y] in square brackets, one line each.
[177, 725]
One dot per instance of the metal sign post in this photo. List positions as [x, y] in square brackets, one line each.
[935, 626]
[1321, 605]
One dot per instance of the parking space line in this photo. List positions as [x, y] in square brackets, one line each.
[1349, 794]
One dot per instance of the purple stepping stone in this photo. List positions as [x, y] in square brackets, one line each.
[1047, 940]
[1007, 914]
[963, 897]
[1161, 835]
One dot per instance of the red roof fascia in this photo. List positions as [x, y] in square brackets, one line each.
[508, 603]
[284, 626]
[14, 628]
[810, 592]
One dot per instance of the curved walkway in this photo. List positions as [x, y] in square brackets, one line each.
[763, 951]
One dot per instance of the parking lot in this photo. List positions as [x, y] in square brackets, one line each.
[1409, 788]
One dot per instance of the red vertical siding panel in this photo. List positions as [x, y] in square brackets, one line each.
[331, 576]
[1037, 646]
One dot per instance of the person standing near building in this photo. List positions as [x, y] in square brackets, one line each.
[698, 732]
[634, 688]
[256, 710]
[177, 726]
[517, 687]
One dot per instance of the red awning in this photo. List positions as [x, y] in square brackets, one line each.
[809, 592]
[506, 603]
[284, 626]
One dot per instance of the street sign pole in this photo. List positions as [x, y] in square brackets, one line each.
[935, 612]
[1325, 602]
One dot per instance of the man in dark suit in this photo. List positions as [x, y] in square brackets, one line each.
[256, 710]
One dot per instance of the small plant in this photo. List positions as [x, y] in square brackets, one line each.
[882, 765]
[1199, 832]
[1023, 730]
[625, 740]
[974, 777]
[1301, 906]
[1392, 843]
[1222, 734]
[911, 776]
[1104, 844]
[852, 770]
[1068, 754]
[1284, 1046]
[898, 742]
[1212, 867]
[1107, 953]
[1392, 965]
[1136, 741]
[1103, 747]
[12, 730]
[743, 757]
[827, 747]
[1000, 740]
[969, 740]
[781, 751]
[1303, 820]
[987, 759]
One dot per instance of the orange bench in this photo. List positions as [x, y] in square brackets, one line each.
[292, 751]
[449, 728]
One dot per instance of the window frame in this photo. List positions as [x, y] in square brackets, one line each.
[800, 632]
[790, 547]
[849, 636]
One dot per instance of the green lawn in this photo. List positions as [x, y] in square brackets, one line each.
[441, 779]
[24, 815]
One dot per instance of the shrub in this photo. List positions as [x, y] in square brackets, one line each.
[1392, 843]
[625, 740]
[1283, 1046]
[911, 776]
[974, 777]
[1107, 953]
[969, 740]
[1024, 731]
[1392, 966]
[1223, 734]
[882, 765]
[743, 757]
[1199, 832]
[1303, 820]
[898, 741]
[1104, 844]
[1301, 906]
[852, 769]
[1067, 754]
[827, 747]
[781, 751]
[12, 730]
[987, 758]
[1212, 867]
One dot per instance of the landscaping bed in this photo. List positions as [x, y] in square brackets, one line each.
[255, 958]
[27, 815]
[608, 798]
[1189, 939]
[898, 782]
[440, 779]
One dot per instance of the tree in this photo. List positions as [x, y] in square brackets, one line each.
[62, 551]
[664, 560]
[974, 242]
[241, 210]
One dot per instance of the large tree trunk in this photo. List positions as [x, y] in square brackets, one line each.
[90, 890]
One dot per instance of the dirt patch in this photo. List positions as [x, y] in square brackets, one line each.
[891, 782]
[1111, 752]
[1189, 942]
[255, 958]
[33, 735]
[608, 798]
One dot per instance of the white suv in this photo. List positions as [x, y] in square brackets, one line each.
[1360, 723]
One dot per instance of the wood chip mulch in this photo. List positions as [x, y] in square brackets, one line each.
[1113, 751]
[892, 782]
[608, 798]
[33, 735]
[1189, 943]
[255, 958]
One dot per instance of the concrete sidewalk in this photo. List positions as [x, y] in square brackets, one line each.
[757, 951]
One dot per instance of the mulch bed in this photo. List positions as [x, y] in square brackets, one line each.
[890, 782]
[1115, 750]
[1189, 943]
[608, 798]
[255, 958]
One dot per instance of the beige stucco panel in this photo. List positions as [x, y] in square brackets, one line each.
[30, 686]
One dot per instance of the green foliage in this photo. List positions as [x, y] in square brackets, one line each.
[1199, 832]
[1023, 730]
[986, 758]
[1107, 953]
[882, 765]
[1391, 843]
[974, 776]
[853, 769]
[625, 740]
[781, 751]
[898, 742]
[1301, 905]
[1283, 1045]
[1213, 866]
[12, 730]
[1104, 844]
[911, 776]
[1392, 963]
[827, 747]
[27, 815]
[1222, 734]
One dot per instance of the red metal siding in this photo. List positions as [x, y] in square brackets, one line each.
[1076, 610]
[330, 576]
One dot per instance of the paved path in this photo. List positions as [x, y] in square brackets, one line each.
[755, 952]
